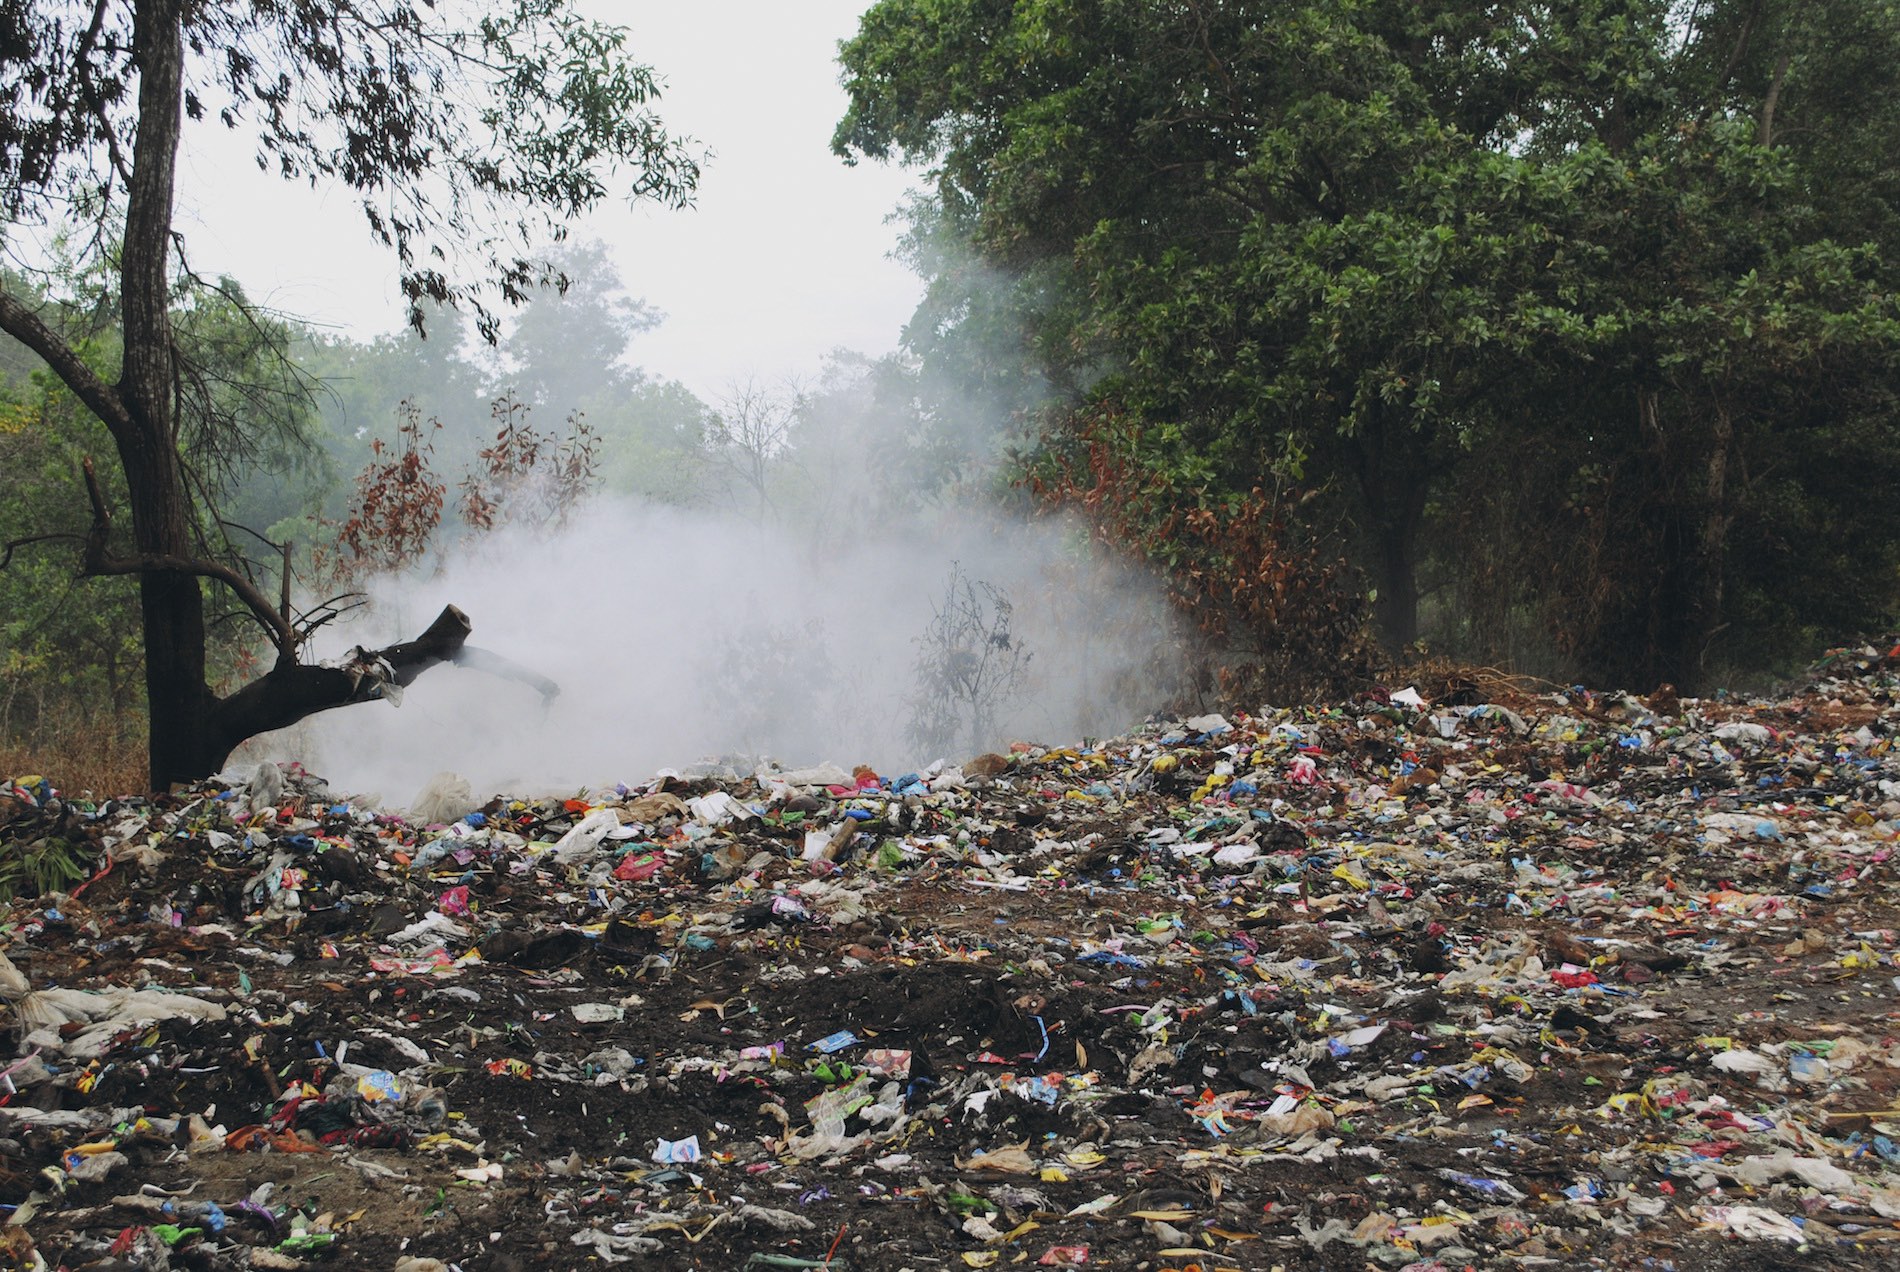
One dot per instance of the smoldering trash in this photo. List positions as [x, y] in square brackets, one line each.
[1527, 979]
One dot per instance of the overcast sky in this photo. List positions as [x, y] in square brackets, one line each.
[784, 258]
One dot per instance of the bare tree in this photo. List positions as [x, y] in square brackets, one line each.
[750, 437]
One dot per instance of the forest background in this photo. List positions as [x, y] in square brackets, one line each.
[1560, 339]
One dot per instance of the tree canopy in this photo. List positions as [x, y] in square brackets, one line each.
[1623, 266]
[469, 132]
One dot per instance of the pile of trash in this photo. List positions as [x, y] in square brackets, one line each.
[1419, 980]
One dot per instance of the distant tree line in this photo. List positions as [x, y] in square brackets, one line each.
[376, 456]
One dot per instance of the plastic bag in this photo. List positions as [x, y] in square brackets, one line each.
[444, 798]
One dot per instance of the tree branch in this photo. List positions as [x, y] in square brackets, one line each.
[1737, 52]
[13, 545]
[507, 668]
[1213, 58]
[291, 691]
[1766, 135]
[442, 642]
[26, 326]
[98, 562]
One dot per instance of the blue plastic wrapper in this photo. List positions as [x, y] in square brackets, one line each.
[379, 1085]
[684, 1150]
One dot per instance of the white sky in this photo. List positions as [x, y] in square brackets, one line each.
[784, 258]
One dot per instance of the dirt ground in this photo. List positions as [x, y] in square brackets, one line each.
[1312, 989]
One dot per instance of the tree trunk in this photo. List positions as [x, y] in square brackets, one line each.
[172, 606]
[1705, 572]
[1393, 471]
[1396, 610]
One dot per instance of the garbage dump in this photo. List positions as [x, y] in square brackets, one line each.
[1421, 980]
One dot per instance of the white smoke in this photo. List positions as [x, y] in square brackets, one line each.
[679, 635]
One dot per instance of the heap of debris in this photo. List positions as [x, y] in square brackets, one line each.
[1497, 978]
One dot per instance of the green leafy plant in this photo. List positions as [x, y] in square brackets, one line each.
[52, 864]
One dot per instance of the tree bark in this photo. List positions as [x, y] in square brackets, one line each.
[1393, 470]
[1396, 610]
[1708, 553]
[172, 606]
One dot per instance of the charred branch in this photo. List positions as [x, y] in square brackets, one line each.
[441, 642]
[291, 692]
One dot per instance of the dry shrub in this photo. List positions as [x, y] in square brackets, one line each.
[396, 508]
[81, 755]
[1446, 679]
[1280, 615]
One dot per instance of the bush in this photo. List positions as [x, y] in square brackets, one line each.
[1280, 615]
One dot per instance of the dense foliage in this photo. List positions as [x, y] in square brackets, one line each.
[1582, 316]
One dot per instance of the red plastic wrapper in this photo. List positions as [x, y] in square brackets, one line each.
[637, 868]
